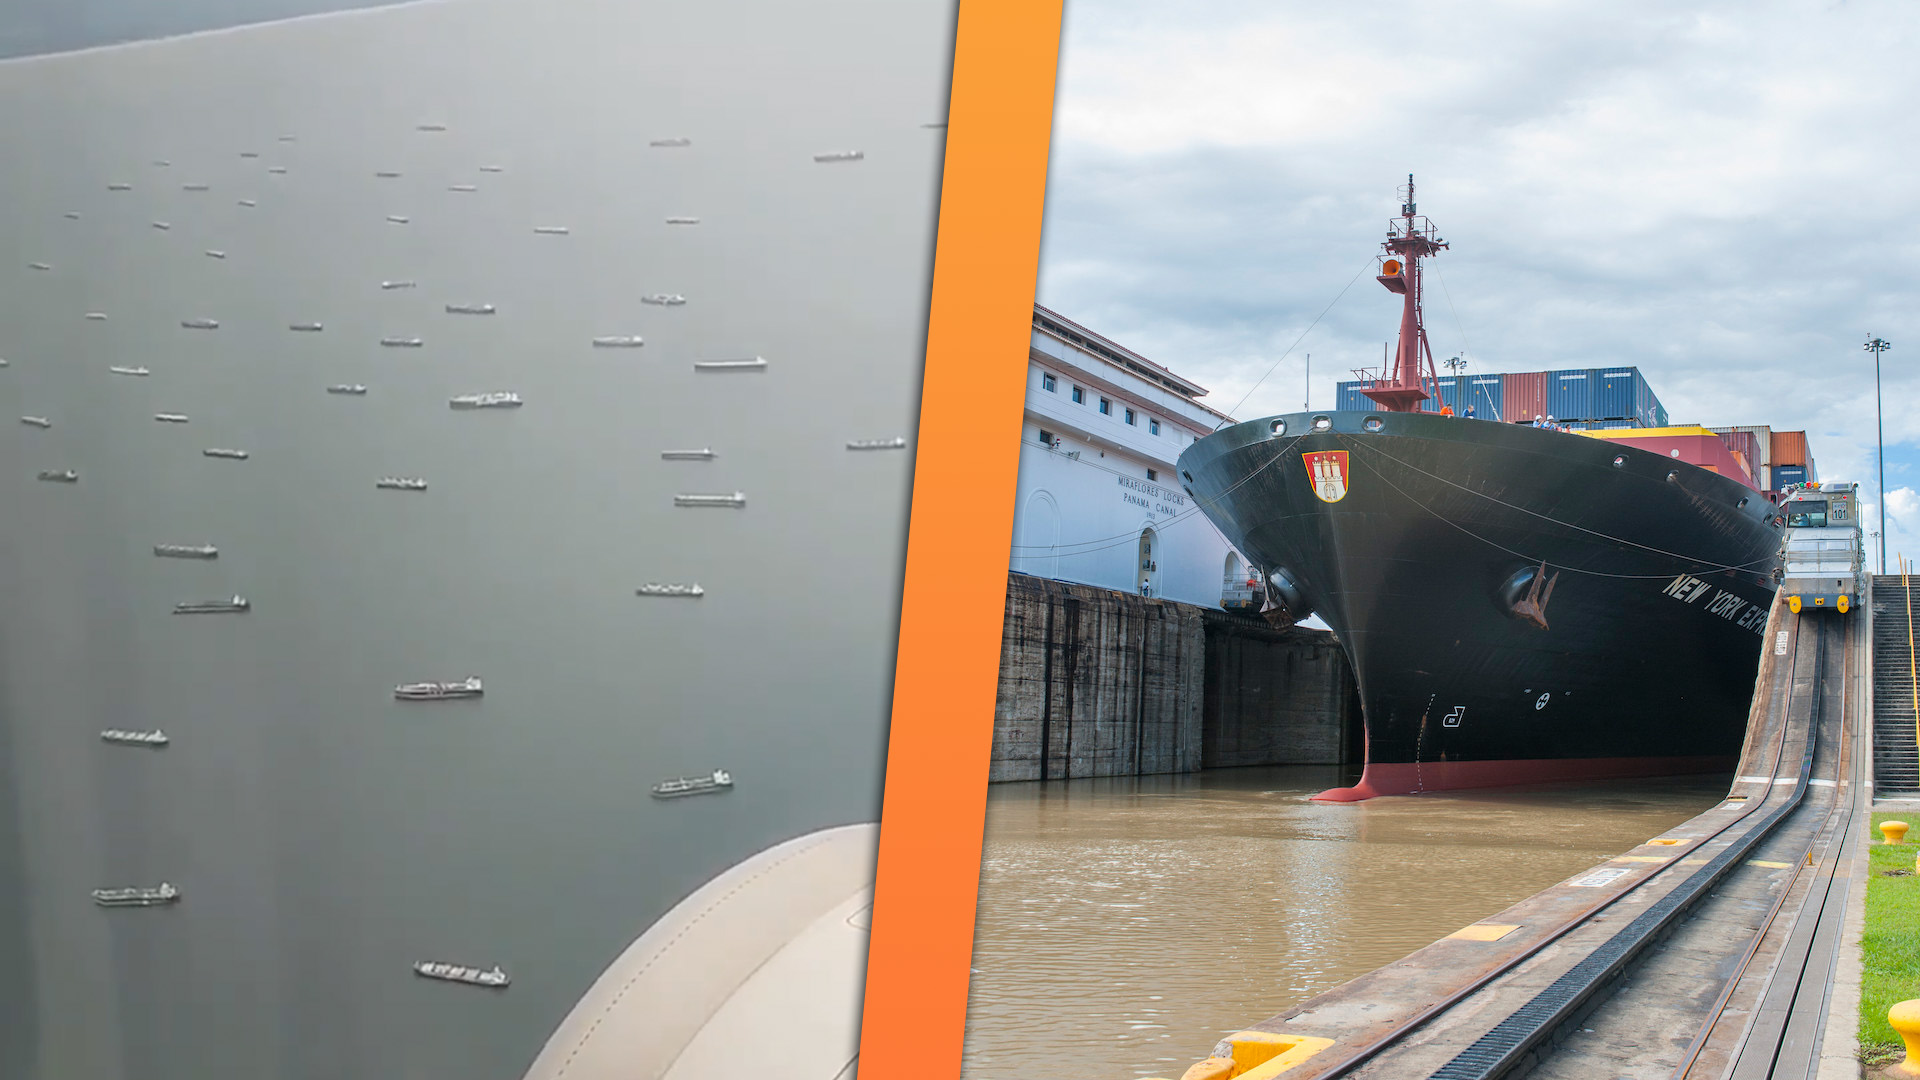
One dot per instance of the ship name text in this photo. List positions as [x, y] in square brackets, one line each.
[1690, 590]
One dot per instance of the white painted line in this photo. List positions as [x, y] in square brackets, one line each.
[1820, 783]
[1751, 779]
[1786, 779]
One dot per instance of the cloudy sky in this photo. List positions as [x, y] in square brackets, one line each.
[1726, 194]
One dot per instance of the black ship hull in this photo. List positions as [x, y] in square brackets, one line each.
[1518, 604]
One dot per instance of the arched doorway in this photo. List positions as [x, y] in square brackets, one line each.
[1149, 563]
[1040, 537]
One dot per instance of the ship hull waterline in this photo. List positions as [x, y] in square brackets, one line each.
[1418, 542]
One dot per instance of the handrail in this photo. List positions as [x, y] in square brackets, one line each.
[1913, 677]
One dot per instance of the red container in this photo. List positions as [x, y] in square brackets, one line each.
[1789, 447]
[1745, 445]
[1524, 395]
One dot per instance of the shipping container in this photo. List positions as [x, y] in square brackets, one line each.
[1660, 415]
[1783, 475]
[1526, 396]
[1762, 439]
[1570, 395]
[1619, 394]
[1646, 405]
[1484, 393]
[1745, 446]
[1789, 448]
[1350, 399]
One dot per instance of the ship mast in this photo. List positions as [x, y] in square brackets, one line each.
[1410, 380]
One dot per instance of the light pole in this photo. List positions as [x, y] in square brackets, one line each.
[1876, 346]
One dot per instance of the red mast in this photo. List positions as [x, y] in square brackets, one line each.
[1411, 380]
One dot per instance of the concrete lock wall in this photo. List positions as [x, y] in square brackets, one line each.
[1275, 697]
[1101, 683]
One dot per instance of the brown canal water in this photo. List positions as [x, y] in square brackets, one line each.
[1127, 924]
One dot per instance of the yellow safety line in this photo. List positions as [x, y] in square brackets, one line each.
[1913, 676]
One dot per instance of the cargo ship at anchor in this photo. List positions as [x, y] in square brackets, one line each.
[1518, 604]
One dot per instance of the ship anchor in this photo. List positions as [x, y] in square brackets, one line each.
[1533, 606]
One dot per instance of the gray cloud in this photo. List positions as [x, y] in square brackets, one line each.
[1716, 194]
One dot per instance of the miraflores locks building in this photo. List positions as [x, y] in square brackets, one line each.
[1099, 501]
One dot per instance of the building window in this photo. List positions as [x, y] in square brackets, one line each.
[1152, 475]
[1129, 416]
[1047, 438]
[1079, 396]
[1048, 383]
[1153, 427]
[1106, 407]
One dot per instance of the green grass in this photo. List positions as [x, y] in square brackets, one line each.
[1890, 941]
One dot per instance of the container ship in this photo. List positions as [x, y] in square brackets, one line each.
[1518, 603]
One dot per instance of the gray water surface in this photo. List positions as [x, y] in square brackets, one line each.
[324, 835]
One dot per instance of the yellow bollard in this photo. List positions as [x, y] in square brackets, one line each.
[1905, 1018]
[1894, 831]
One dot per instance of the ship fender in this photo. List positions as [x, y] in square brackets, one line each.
[1285, 605]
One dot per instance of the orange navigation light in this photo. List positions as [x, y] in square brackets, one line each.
[1390, 267]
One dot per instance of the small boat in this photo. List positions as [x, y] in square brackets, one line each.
[277, 170]
[705, 453]
[220, 452]
[671, 142]
[401, 342]
[38, 266]
[401, 483]
[200, 324]
[430, 127]
[463, 187]
[398, 219]
[72, 215]
[495, 979]
[304, 327]
[942, 124]
[161, 163]
[186, 551]
[119, 187]
[214, 253]
[654, 588]
[878, 444]
[235, 604]
[492, 168]
[355, 389]
[755, 364]
[683, 221]
[162, 225]
[170, 417]
[468, 687]
[618, 341]
[4, 363]
[288, 138]
[470, 309]
[194, 187]
[248, 202]
[36, 421]
[249, 153]
[60, 476]
[155, 738]
[96, 316]
[664, 299]
[140, 371]
[551, 230]
[839, 155]
[497, 399]
[137, 896]
[397, 284]
[387, 175]
[735, 500]
[719, 780]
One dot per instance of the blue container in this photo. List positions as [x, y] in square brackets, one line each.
[1483, 393]
[1788, 474]
[1348, 398]
[1659, 415]
[1618, 393]
[1570, 394]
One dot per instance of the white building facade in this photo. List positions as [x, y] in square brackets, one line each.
[1099, 502]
